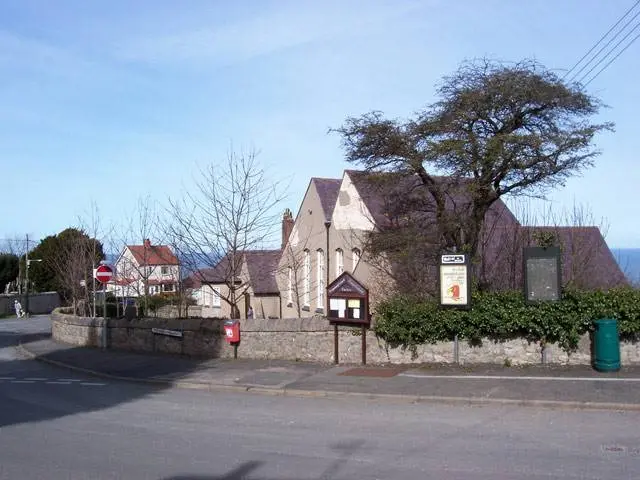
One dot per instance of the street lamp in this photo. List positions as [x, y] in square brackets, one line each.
[26, 289]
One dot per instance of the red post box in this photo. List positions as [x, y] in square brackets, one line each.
[232, 331]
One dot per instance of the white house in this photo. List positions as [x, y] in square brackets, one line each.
[145, 269]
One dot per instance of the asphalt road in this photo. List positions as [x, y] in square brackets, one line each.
[60, 425]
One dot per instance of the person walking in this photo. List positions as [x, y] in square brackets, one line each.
[18, 308]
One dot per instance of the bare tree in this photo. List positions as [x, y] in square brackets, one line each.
[232, 209]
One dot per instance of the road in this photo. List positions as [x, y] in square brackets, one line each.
[55, 424]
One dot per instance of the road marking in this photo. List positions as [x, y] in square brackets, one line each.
[22, 381]
[69, 380]
[92, 384]
[507, 377]
[7, 378]
[35, 379]
[54, 382]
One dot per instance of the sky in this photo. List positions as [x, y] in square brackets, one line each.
[107, 102]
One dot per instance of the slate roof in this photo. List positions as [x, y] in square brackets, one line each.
[328, 189]
[261, 265]
[379, 194]
[153, 255]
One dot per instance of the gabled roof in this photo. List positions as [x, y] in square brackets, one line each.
[149, 255]
[381, 191]
[261, 265]
[328, 189]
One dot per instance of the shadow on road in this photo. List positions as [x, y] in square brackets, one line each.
[33, 391]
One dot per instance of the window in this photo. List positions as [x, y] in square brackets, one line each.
[216, 297]
[355, 258]
[168, 287]
[290, 293]
[339, 262]
[307, 278]
[164, 270]
[210, 296]
[320, 277]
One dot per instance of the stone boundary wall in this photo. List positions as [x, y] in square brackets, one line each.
[308, 339]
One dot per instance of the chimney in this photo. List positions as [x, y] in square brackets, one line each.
[287, 227]
[147, 243]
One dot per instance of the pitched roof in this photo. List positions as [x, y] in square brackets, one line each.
[153, 255]
[380, 192]
[328, 189]
[261, 265]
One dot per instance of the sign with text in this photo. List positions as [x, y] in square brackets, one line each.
[455, 285]
[542, 274]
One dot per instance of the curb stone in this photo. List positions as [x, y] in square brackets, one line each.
[336, 394]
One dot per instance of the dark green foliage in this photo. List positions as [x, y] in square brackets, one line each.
[495, 129]
[498, 316]
[9, 267]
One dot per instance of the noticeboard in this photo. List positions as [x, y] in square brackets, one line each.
[348, 301]
[542, 274]
[454, 280]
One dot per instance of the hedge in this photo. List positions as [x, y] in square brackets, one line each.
[407, 322]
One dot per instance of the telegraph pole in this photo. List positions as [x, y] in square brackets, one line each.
[26, 288]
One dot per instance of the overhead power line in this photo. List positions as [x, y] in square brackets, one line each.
[611, 61]
[620, 20]
[611, 40]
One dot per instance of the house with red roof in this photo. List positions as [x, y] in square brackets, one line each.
[145, 270]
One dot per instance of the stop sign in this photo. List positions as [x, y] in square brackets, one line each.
[103, 273]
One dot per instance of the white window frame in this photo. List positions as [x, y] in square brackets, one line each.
[307, 278]
[320, 278]
[164, 270]
[215, 298]
[355, 259]
[339, 262]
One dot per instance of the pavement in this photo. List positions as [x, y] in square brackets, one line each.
[542, 386]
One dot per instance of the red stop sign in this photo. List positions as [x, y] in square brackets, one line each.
[104, 273]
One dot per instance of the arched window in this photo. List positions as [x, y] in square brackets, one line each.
[355, 258]
[307, 279]
[339, 262]
[320, 277]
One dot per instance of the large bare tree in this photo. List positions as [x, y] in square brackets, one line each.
[496, 129]
[231, 209]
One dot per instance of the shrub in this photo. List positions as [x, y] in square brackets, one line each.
[407, 322]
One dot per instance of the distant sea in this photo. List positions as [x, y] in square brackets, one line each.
[629, 261]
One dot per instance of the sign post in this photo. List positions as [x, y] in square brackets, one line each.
[348, 305]
[455, 281]
[103, 274]
[542, 274]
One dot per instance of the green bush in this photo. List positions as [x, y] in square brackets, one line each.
[408, 322]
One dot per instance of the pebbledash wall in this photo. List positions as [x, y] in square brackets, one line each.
[309, 339]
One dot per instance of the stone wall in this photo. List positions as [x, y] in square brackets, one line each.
[309, 339]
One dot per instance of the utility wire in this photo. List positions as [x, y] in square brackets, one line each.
[604, 58]
[612, 39]
[611, 61]
[601, 39]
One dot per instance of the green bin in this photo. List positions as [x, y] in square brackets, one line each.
[606, 345]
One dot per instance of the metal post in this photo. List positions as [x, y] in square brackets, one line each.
[26, 288]
[335, 344]
[235, 351]
[364, 345]
[105, 326]
[456, 350]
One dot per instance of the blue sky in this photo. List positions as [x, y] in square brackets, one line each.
[111, 101]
